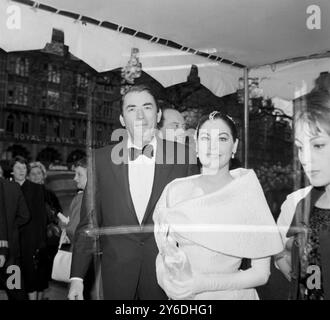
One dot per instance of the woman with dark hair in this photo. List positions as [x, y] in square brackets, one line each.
[206, 224]
[33, 234]
[305, 215]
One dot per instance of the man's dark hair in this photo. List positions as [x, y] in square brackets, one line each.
[138, 88]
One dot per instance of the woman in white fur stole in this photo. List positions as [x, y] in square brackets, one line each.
[206, 224]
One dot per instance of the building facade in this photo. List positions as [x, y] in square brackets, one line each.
[47, 98]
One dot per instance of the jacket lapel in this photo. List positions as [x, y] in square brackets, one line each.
[162, 171]
[120, 170]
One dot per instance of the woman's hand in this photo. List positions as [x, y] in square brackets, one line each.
[177, 289]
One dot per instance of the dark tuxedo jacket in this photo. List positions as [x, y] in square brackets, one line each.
[14, 213]
[128, 259]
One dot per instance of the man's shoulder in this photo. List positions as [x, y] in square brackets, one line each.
[106, 150]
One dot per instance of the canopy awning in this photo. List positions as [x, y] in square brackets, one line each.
[251, 33]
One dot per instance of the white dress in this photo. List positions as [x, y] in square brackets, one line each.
[213, 233]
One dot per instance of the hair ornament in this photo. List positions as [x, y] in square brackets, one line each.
[213, 114]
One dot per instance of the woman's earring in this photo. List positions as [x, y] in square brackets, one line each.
[233, 155]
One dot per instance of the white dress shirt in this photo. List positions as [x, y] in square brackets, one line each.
[141, 177]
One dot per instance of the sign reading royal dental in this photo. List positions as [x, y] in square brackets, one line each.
[49, 139]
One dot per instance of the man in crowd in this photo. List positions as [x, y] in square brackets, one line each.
[13, 214]
[172, 126]
[129, 178]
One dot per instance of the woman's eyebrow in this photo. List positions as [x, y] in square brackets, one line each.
[316, 137]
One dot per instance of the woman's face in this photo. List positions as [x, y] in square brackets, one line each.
[80, 177]
[19, 171]
[314, 153]
[36, 175]
[215, 144]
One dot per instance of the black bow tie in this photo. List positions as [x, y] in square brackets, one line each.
[134, 153]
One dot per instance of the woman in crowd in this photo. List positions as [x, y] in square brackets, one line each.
[38, 174]
[305, 215]
[33, 234]
[80, 168]
[206, 224]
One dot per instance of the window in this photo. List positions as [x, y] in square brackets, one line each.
[57, 128]
[53, 98]
[19, 66]
[73, 129]
[50, 99]
[10, 123]
[82, 80]
[81, 103]
[22, 67]
[54, 74]
[18, 94]
[25, 124]
[43, 126]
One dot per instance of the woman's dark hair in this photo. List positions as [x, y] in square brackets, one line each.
[18, 159]
[316, 110]
[81, 163]
[222, 116]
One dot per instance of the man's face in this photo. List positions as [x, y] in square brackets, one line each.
[140, 116]
[174, 126]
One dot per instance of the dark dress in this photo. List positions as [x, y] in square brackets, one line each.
[319, 220]
[33, 239]
[310, 251]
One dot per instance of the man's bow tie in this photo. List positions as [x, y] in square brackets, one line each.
[134, 153]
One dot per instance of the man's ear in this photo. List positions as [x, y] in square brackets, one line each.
[122, 121]
[159, 115]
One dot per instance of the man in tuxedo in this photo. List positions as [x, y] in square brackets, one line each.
[128, 179]
[14, 214]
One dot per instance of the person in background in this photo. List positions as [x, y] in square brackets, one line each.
[38, 174]
[304, 220]
[172, 126]
[3, 227]
[13, 215]
[80, 168]
[33, 235]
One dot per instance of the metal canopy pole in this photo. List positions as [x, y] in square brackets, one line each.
[246, 117]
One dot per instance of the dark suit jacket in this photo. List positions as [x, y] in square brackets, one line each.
[128, 260]
[16, 214]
